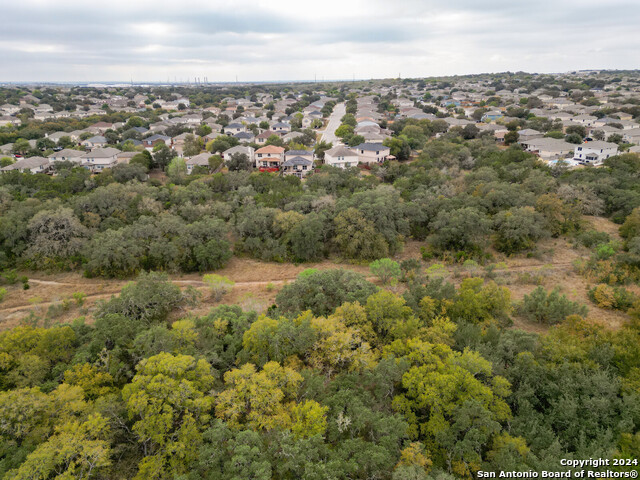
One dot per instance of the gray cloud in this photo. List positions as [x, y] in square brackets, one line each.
[285, 39]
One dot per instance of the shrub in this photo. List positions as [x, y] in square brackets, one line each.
[79, 297]
[591, 238]
[218, 285]
[615, 298]
[149, 300]
[549, 308]
[605, 251]
[3, 292]
[410, 269]
[385, 269]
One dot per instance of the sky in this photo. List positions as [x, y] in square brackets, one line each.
[285, 40]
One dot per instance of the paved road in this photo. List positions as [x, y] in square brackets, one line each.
[329, 134]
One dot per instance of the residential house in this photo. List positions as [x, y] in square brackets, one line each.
[154, 140]
[298, 166]
[492, 116]
[100, 127]
[281, 127]
[97, 141]
[269, 158]
[287, 137]
[308, 154]
[262, 137]
[527, 134]
[548, 148]
[234, 128]
[56, 136]
[341, 157]
[372, 152]
[245, 137]
[8, 120]
[31, 164]
[585, 120]
[631, 136]
[200, 160]
[248, 151]
[125, 157]
[100, 158]
[67, 155]
[594, 153]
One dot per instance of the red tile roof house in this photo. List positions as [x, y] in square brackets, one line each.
[269, 158]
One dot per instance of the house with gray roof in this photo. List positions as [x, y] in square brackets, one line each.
[67, 155]
[31, 164]
[100, 158]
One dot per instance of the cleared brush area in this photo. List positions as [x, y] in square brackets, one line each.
[50, 298]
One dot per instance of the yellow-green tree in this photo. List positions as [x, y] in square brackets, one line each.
[451, 401]
[78, 449]
[258, 400]
[168, 399]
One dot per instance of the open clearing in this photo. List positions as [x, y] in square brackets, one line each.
[50, 298]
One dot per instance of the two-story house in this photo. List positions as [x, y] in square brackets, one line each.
[341, 157]
[269, 158]
[594, 153]
[372, 152]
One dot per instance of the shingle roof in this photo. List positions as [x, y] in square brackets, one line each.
[270, 149]
[299, 152]
[66, 152]
[372, 147]
[31, 162]
[340, 151]
[297, 161]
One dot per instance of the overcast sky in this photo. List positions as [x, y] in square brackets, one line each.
[116, 40]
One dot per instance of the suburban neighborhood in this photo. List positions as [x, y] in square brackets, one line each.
[296, 129]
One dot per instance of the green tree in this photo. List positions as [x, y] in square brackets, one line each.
[518, 229]
[177, 170]
[461, 229]
[323, 291]
[511, 138]
[549, 308]
[356, 237]
[162, 155]
[239, 161]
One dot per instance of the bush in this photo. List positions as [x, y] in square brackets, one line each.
[591, 238]
[149, 300]
[323, 291]
[79, 297]
[385, 269]
[615, 298]
[3, 292]
[410, 269]
[218, 285]
[605, 251]
[549, 308]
